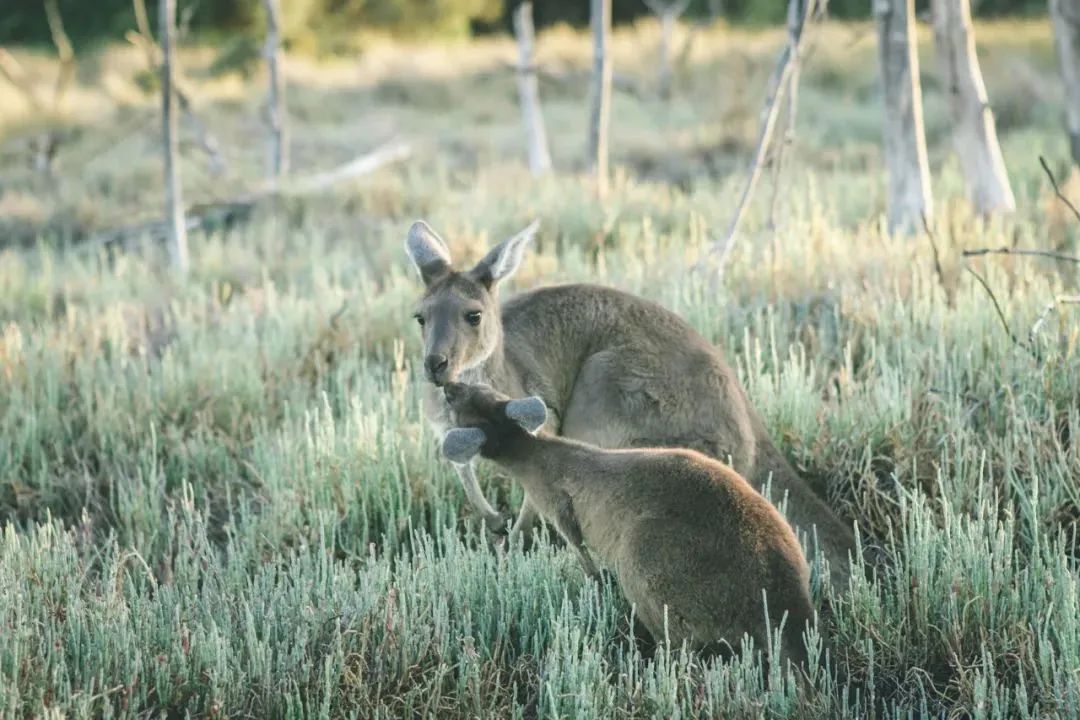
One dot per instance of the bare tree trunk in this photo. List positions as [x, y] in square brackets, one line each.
[1065, 15]
[799, 11]
[667, 14]
[974, 134]
[600, 94]
[174, 203]
[275, 101]
[910, 202]
[528, 91]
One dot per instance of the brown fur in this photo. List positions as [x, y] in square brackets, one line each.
[692, 544]
[615, 371]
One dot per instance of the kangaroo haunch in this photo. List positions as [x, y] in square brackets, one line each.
[694, 547]
[614, 370]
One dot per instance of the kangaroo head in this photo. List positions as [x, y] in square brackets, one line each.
[486, 420]
[459, 312]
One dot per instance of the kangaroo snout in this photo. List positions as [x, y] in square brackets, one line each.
[453, 391]
[437, 366]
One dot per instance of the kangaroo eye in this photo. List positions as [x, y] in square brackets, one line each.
[473, 317]
[419, 319]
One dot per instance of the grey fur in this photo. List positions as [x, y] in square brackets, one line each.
[504, 259]
[530, 413]
[427, 251]
[615, 371]
[460, 445]
[692, 544]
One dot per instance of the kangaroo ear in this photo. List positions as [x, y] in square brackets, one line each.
[530, 413]
[427, 251]
[505, 258]
[460, 445]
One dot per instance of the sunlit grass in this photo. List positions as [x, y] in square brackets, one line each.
[220, 497]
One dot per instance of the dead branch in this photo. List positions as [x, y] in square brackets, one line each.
[938, 268]
[48, 142]
[144, 40]
[977, 252]
[275, 102]
[1057, 189]
[174, 203]
[240, 208]
[529, 91]
[667, 14]
[721, 249]
[64, 51]
[599, 94]
[1001, 313]
[13, 72]
[1046, 311]
[363, 165]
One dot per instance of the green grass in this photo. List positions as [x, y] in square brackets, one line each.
[219, 500]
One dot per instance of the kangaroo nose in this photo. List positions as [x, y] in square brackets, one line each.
[436, 368]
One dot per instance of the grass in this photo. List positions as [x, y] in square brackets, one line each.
[219, 498]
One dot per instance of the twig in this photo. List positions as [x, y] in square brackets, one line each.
[937, 256]
[1001, 313]
[1050, 307]
[1057, 190]
[770, 111]
[721, 249]
[788, 138]
[976, 252]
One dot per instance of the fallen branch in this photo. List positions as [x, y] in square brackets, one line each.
[363, 165]
[1050, 307]
[977, 252]
[224, 213]
[1057, 190]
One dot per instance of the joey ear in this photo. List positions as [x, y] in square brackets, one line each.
[427, 251]
[530, 413]
[460, 445]
[505, 258]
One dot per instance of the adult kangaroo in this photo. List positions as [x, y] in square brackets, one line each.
[614, 370]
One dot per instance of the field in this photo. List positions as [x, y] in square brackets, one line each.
[219, 497]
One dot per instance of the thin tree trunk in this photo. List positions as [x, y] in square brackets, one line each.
[974, 134]
[275, 102]
[1065, 15]
[667, 31]
[667, 14]
[174, 202]
[799, 11]
[910, 202]
[600, 95]
[528, 91]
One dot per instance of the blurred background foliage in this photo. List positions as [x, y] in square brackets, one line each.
[308, 22]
